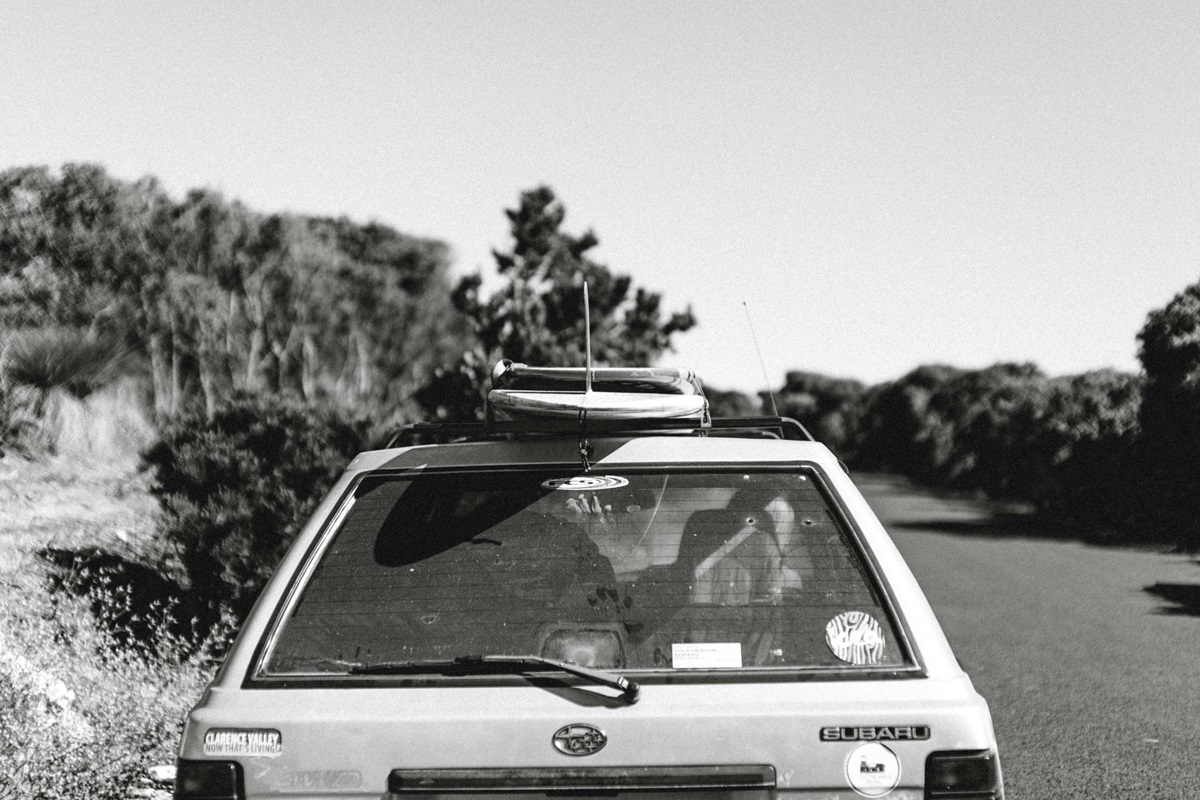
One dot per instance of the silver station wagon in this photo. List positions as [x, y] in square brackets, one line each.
[597, 592]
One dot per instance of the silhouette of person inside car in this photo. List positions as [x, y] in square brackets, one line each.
[752, 551]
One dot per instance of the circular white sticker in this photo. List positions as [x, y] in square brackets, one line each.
[855, 637]
[586, 483]
[872, 770]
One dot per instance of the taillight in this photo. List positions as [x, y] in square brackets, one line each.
[963, 775]
[209, 780]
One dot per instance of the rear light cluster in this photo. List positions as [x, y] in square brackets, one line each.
[963, 775]
[209, 780]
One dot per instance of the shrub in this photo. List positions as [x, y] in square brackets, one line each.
[1090, 444]
[732, 403]
[235, 491]
[829, 408]
[989, 422]
[897, 433]
[970, 430]
[131, 602]
[1066, 446]
[65, 391]
[82, 718]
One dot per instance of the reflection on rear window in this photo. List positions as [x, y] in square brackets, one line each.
[645, 571]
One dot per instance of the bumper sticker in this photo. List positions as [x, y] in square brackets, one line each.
[855, 637]
[226, 742]
[872, 770]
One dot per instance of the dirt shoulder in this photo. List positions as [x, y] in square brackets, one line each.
[71, 504]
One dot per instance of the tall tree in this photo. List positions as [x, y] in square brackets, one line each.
[536, 316]
[388, 320]
[1170, 417]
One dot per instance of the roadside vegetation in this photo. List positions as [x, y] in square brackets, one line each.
[1104, 456]
[181, 381]
[93, 686]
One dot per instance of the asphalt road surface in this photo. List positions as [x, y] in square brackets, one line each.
[1089, 657]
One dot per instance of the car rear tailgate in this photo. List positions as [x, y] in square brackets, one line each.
[804, 731]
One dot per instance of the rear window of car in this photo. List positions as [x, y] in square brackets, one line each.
[640, 570]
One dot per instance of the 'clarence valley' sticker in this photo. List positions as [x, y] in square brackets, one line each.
[238, 742]
[855, 637]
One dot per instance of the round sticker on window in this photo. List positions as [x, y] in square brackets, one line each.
[855, 637]
[586, 483]
[872, 770]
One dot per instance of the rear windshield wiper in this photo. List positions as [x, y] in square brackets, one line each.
[630, 691]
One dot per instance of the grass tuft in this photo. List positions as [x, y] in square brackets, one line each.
[62, 358]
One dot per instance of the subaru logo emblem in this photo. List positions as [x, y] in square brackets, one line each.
[579, 740]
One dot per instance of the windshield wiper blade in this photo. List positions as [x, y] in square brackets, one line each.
[630, 691]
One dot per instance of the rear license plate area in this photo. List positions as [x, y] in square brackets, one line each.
[716, 782]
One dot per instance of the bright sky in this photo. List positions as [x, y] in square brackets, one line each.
[881, 184]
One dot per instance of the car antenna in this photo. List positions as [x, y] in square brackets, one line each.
[585, 447]
[587, 340]
[761, 363]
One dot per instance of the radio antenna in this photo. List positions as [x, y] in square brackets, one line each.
[587, 340]
[761, 363]
[585, 447]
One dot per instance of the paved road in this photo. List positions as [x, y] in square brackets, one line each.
[1088, 656]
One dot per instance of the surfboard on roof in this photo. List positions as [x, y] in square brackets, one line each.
[522, 392]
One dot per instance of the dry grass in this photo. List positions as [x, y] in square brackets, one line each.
[63, 502]
[108, 425]
[89, 492]
[82, 719]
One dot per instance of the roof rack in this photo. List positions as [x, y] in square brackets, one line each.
[741, 427]
[544, 402]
